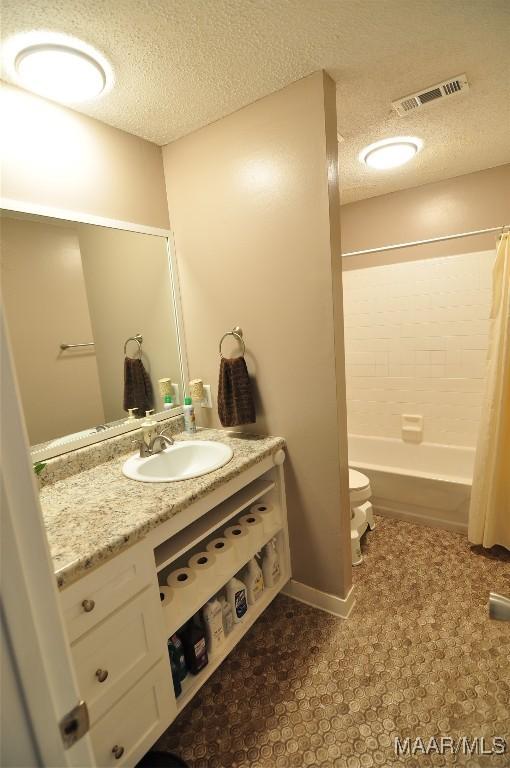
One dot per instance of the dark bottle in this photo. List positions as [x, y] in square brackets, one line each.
[182, 669]
[174, 665]
[194, 642]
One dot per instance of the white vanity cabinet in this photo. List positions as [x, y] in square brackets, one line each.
[114, 624]
[118, 628]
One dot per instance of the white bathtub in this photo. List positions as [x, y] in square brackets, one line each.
[424, 483]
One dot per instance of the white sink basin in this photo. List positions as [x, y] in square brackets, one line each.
[181, 461]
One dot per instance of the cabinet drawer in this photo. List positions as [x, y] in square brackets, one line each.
[131, 727]
[98, 594]
[114, 654]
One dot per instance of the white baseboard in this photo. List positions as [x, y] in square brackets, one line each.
[337, 606]
[424, 516]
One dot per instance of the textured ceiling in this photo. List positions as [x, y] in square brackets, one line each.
[180, 64]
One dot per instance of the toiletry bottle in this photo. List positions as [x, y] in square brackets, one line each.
[213, 622]
[254, 580]
[195, 648]
[227, 615]
[173, 667]
[270, 564]
[189, 415]
[149, 427]
[238, 598]
[182, 669]
[167, 403]
[131, 416]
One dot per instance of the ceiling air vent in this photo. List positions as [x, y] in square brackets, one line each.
[450, 87]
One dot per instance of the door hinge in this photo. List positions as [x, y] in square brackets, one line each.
[74, 725]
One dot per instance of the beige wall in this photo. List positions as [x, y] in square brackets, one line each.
[254, 209]
[129, 292]
[474, 201]
[59, 390]
[56, 157]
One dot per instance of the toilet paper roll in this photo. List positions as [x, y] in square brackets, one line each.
[165, 387]
[202, 562]
[196, 390]
[165, 595]
[269, 515]
[181, 578]
[224, 552]
[240, 537]
[255, 525]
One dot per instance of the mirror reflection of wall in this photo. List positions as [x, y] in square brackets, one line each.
[72, 283]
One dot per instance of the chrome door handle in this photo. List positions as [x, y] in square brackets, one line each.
[499, 607]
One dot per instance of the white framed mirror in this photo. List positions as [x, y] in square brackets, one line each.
[95, 325]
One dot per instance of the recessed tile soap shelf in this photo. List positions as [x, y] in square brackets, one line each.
[412, 428]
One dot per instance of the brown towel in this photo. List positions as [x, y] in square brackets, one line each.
[137, 387]
[235, 400]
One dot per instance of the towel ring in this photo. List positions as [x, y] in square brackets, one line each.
[237, 333]
[138, 338]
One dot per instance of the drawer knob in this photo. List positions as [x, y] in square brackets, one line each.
[101, 675]
[118, 751]
[88, 605]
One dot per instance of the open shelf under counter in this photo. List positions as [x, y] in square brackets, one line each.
[180, 610]
[192, 683]
[170, 550]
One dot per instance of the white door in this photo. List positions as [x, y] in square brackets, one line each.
[38, 685]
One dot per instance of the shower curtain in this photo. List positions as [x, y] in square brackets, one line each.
[489, 512]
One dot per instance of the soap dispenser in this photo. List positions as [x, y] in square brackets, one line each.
[149, 427]
[131, 417]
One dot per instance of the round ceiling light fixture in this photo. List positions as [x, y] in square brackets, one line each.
[56, 66]
[390, 153]
[60, 72]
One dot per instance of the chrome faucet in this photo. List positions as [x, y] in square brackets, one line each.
[158, 443]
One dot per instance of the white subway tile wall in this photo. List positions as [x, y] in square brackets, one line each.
[416, 343]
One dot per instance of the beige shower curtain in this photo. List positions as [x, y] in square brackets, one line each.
[489, 513]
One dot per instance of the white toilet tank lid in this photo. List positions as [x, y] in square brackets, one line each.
[357, 480]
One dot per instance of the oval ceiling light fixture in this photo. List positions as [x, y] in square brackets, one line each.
[390, 153]
[58, 67]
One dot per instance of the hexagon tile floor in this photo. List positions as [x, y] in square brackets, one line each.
[417, 658]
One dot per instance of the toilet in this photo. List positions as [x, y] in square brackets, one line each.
[362, 514]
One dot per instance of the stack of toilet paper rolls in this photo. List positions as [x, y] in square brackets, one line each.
[202, 564]
[180, 584]
[253, 521]
[268, 514]
[166, 595]
[239, 536]
[190, 581]
[224, 552]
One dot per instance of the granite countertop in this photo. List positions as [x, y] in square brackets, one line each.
[95, 514]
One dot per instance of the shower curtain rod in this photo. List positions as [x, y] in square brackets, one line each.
[424, 242]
